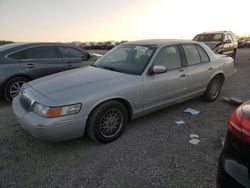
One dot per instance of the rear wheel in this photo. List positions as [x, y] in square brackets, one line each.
[107, 122]
[234, 54]
[13, 86]
[213, 89]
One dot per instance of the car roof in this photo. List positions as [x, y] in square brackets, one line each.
[211, 32]
[160, 42]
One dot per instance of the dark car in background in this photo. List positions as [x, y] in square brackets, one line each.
[221, 42]
[242, 43]
[22, 62]
[234, 161]
[109, 45]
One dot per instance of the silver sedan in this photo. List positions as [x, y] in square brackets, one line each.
[130, 81]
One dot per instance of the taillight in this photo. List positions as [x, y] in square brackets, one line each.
[239, 123]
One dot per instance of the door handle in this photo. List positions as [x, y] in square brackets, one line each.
[182, 70]
[210, 69]
[29, 65]
[70, 64]
[183, 75]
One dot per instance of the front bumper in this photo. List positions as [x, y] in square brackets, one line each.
[49, 129]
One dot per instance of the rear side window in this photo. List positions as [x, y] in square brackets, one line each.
[169, 57]
[192, 54]
[17, 55]
[44, 52]
[230, 37]
[68, 52]
[203, 54]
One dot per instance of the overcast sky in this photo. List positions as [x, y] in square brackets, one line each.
[100, 20]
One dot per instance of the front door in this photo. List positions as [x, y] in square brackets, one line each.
[165, 88]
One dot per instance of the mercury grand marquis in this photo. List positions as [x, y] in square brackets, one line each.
[132, 80]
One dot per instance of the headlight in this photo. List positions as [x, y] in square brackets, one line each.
[58, 111]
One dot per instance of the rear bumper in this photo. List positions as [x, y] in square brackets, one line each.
[49, 129]
[232, 167]
[231, 173]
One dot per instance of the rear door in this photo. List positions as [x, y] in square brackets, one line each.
[199, 68]
[73, 57]
[41, 61]
[162, 89]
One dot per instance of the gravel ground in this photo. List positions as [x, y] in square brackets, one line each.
[153, 151]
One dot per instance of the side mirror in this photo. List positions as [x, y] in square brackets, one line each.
[227, 41]
[158, 69]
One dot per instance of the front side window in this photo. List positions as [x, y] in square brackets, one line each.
[68, 52]
[230, 38]
[169, 57]
[192, 54]
[44, 52]
[127, 58]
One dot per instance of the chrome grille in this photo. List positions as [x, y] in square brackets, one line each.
[25, 102]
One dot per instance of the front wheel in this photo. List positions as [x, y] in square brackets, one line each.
[13, 86]
[107, 122]
[213, 89]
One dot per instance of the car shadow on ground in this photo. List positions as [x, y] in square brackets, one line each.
[4, 103]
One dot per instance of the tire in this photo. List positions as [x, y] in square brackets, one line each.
[234, 54]
[12, 87]
[213, 89]
[101, 126]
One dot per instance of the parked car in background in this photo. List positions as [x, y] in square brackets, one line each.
[247, 43]
[242, 43]
[109, 45]
[85, 45]
[132, 80]
[221, 42]
[22, 62]
[234, 160]
[99, 45]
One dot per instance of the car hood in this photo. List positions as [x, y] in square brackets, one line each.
[78, 83]
[212, 45]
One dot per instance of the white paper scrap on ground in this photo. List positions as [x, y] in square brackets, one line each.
[192, 111]
[194, 136]
[194, 141]
[180, 122]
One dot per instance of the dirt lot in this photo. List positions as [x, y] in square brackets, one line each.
[153, 152]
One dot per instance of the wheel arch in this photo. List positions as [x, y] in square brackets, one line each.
[14, 76]
[125, 102]
[5, 81]
[219, 74]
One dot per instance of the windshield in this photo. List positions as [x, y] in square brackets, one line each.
[216, 37]
[127, 58]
